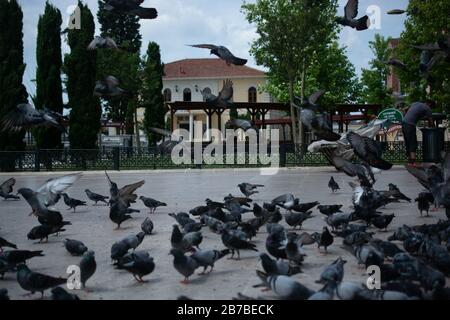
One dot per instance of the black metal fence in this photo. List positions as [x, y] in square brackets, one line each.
[287, 155]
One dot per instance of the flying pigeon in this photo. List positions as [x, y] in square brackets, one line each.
[351, 11]
[396, 63]
[102, 43]
[368, 150]
[108, 88]
[6, 188]
[25, 116]
[131, 7]
[223, 53]
[225, 97]
[248, 189]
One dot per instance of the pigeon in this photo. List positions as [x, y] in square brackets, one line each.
[88, 265]
[285, 287]
[272, 267]
[249, 189]
[296, 219]
[108, 88]
[198, 211]
[207, 258]
[131, 7]
[139, 266]
[348, 290]
[6, 243]
[43, 232]
[223, 53]
[60, 294]
[428, 60]
[235, 244]
[324, 239]
[396, 63]
[383, 221]
[324, 294]
[25, 116]
[304, 207]
[4, 295]
[36, 282]
[351, 11]
[133, 241]
[118, 213]
[240, 124]
[286, 201]
[333, 185]
[368, 150]
[72, 203]
[397, 193]
[388, 248]
[330, 209]
[6, 188]
[183, 264]
[357, 238]
[147, 226]
[182, 218]
[339, 219]
[334, 273]
[225, 97]
[294, 251]
[368, 255]
[118, 250]
[152, 204]
[243, 201]
[311, 101]
[319, 124]
[102, 43]
[75, 247]
[423, 202]
[15, 257]
[362, 171]
[96, 197]
[397, 11]
[185, 242]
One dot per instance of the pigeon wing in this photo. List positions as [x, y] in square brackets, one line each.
[58, 185]
[21, 116]
[227, 91]
[130, 189]
[204, 46]
[7, 186]
[351, 9]
[316, 96]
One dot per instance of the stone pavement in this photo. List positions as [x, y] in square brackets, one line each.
[183, 190]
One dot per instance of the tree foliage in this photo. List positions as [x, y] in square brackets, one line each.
[80, 67]
[427, 22]
[12, 68]
[290, 34]
[48, 74]
[152, 85]
[374, 80]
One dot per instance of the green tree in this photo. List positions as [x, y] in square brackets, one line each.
[290, 34]
[427, 22]
[152, 98]
[123, 63]
[374, 80]
[80, 67]
[12, 67]
[48, 74]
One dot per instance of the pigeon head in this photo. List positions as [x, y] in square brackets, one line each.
[26, 193]
[89, 253]
[214, 51]
[140, 235]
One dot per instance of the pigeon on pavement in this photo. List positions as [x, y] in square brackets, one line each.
[36, 282]
[207, 258]
[152, 204]
[6, 188]
[88, 266]
[6, 243]
[72, 203]
[96, 197]
[185, 265]
[75, 247]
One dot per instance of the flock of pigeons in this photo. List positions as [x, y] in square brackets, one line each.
[416, 269]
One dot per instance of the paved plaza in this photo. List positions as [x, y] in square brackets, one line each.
[182, 191]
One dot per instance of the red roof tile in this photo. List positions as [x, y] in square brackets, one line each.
[207, 68]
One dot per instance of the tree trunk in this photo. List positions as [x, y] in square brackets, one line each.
[302, 96]
[293, 119]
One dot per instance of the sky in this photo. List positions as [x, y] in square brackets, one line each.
[182, 22]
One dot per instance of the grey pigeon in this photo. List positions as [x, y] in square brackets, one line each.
[102, 43]
[15, 257]
[295, 219]
[43, 232]
[108, 88]
[125, 195]
[223, 53]
[282, 268]
[152, 204]
[96, 197]
[368, 150]
[243, 124]
[24, 116]
[396, 63]
[319, 124]
[133, 241]
[185, 265]
[225, 97]
[75, 247]
[60, 294]
[207, 258]
[36, 282]
[333, 185]
[6, 188]
[139, 267]
[326, 293]
[185, 242]
[118, 250]
[147, 226]
[235, 244]
[351, 11]
[88, 266]
[334, 273]
[286, 201]
[131, 7]
[423, 202]
[119, 213]
[6, 243]
[248, 189]
[72, 203]
[285, 287]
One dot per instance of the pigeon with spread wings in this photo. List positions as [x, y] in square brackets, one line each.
[131, 7]
[225, 97]
[223, 53]
[25, 116]
[126, 194]
[368, 150]
[351, 11]
[102, 43]
[108, 88]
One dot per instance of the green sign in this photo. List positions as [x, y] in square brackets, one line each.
[392, 115]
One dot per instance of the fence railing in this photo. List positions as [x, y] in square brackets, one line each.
[286, 155]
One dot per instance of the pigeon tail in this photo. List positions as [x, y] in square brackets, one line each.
[381, 164]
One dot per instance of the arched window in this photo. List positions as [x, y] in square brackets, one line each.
[167, 95]
[187, 95]
[252, 95]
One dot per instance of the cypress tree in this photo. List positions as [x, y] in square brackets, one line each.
[152, 98]
[48, 74]
[80, 67]
[12, 68]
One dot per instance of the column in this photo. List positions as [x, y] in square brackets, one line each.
[191, 127]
